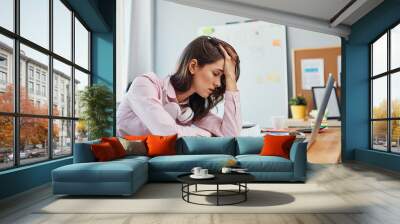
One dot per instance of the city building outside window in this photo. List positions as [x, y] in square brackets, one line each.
[38, 89]
[43, 90]
[3, 79]
[385, 95]
[57, 127]
[30, 87]
[30, 72]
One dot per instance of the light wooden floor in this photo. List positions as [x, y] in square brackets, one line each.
[378, 188]
[326, 148]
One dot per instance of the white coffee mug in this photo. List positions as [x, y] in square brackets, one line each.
[203, 172]
[226, 170]
[196, 170]
[278, 122]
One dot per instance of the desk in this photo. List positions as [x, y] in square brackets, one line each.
[327, 145]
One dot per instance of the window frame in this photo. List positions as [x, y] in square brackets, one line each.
[388, 74]
[16, 114]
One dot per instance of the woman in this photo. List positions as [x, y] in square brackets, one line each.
[180, 104]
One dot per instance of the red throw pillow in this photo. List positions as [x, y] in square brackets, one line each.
[161, 145]
[277, 145]
[116, 145]
[103, 151]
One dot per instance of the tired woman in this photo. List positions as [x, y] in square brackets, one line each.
[207, 72]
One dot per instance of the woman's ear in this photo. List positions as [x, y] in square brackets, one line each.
[192, 66]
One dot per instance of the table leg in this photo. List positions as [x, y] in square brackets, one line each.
[245, 193]
[196, 188]
[188, 190]
[182, 188]
[217, 194]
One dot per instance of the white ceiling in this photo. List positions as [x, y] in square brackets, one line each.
[320, 9]
[314, 15]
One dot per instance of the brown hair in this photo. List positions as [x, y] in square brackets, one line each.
[205, 49]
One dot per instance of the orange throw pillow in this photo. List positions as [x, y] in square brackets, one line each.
[277, 145]
[103, 152]
[161, 145]
[116, 145]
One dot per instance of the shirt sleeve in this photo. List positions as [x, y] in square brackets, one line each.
[231, 122]
[143, 98]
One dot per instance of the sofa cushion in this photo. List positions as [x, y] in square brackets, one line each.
[83, 152]
[185, 163]
[132, 159]
[257, 163]
[249, 145]
[111, 171]
[195, 145]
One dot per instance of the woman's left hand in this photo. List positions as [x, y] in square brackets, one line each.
[229, 69]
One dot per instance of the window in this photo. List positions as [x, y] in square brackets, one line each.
[30, 87]
[3, 61]
[3, 72]
[3, 78]
[6, 143]
[62, 29]
[62, 140]
[37, 75]
[38, 89]
[44, 91]
[34, 21]
[81, 81]
[7, 14]
[30, 72]
[62, 75]
[41, 83]
[385, 96]
[3, 82]
[7, 74]
[43, 77]
[81, 45]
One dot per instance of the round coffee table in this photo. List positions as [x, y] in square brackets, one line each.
[238, 179]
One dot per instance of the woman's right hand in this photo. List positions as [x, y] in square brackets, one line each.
[229, 68]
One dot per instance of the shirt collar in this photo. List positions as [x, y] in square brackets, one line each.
[169, 88]
[171, 93]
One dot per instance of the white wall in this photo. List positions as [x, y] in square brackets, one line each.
[175, 26]
[135, 41]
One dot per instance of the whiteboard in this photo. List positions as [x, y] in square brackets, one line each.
[261, 47]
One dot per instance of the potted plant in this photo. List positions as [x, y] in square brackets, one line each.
[298, 106]
[97, 105]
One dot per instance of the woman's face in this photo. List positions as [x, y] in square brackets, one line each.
[206, 78]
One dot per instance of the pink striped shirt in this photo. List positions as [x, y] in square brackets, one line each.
[143, 111]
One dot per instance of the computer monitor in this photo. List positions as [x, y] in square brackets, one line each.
[321, 110]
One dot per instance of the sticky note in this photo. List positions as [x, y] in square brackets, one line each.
[276, 43]
[208, 30]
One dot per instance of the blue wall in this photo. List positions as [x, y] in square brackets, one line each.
[356, 84]
[103, 65]
[99, 16]
[24, 178]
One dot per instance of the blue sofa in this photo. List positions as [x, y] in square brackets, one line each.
[125, 176]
